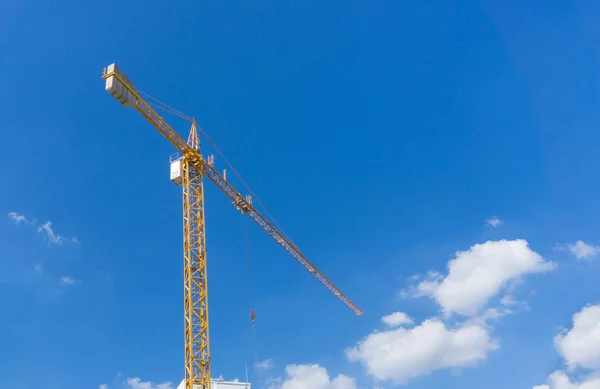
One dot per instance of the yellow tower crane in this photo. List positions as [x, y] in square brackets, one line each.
[189, 171]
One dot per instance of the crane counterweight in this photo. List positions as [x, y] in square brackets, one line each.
[116, 87]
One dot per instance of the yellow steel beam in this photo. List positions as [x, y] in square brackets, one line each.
[197, 348]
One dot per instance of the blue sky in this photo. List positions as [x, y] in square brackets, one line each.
[381, 136]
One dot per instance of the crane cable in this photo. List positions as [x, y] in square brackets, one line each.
[243, 182]
[165, 107]
[251, 294]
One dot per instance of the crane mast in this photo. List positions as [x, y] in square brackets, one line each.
[197, 350]
[193, 169]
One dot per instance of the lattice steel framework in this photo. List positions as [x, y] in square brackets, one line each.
[197, 347]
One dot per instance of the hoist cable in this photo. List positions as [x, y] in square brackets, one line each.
[249, 272]
[254, 196]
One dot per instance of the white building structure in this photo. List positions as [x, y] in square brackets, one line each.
[221, 384]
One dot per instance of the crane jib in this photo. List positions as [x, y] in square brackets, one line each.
[237, 198]
[119, 85]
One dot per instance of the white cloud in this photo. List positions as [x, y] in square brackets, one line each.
[397, 318]
[265, 364]
[65, 280]
[103, 386]
[16, 218]
[401, 354]
[508, 300]
[494, 314]
[137, 383]
[580, 346]
[54, 238]
[560, 380]
[582, 250]
[493, 221]
[312, 377]
[474, 277]
[46, 229]
[478, 274]
[39, 268]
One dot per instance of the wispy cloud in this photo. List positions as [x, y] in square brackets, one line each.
[39, 268]
[103, 386]
[582, 250]
[54, 238]
[18, 218]
[45, 229]
[66, 280]
[266, 364]
[493, 221]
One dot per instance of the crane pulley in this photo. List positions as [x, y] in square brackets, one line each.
[193, 168]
